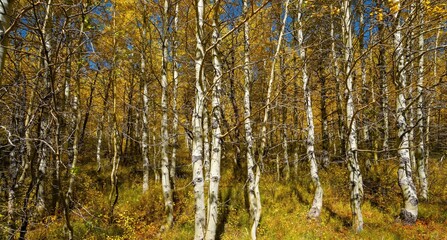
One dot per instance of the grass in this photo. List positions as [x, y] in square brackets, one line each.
[285, 205]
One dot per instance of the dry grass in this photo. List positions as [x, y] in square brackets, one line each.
[285, 205]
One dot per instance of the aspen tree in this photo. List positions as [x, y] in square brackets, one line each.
[409, 213]
[216, 118]
[355, 177]
[175, 120]
[145, 98]
[421, 115]
[317, 202]
[252, 165]
[197, 117]
[165, 179]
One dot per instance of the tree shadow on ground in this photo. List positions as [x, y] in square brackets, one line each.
[225, 210]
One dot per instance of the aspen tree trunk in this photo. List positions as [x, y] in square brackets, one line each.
[197, 141]
[5, 6]
[365, 88]
[409, 213]
[284, 117]
[206, 139]
[324, 121]
[175, 67]
[355, 176]
[421, 115]
[165, 179]
[336, 72]
[77, 118]
[144, 114]
[317, 203]
[145, 135]
[409, 56]
[43, 155]
[114, 194]
[77, 121]
[381, 65]
[216, 142]
[100, 128]
[252, 166]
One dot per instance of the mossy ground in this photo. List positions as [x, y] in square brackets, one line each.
[284, 207]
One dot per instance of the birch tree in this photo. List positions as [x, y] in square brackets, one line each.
[145, 98]
[409, 213]
[336, 73]
[252, 166]
[381, 65]
[175, 74]
[197, 141]
[165, 179]
[421, 115]
[317, 202]
[216, 142]
[355, 176]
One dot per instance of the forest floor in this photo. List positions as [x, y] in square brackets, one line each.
[284, 207]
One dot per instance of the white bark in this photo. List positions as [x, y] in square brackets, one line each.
[45, 122]
[165, 179]
[355, 176]
[381, 65]
[284, 104]
[216, 142]
[145, 100]
[421, 116]
[336, 72]
[197, 141]
[410, 211]
[317, 203]
[175, 66]
[252, 166]
[145, 130]
[77, 120]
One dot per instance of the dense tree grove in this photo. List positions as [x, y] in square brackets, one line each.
[193, 96]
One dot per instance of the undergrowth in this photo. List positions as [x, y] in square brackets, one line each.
[284, 207]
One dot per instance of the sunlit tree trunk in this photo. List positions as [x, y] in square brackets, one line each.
[252, 166]
[197, 141]
[324, 121]
[355, 176]
[145, 112]
[114, 193]
[284, 128]
[216, 142]
[175, 67]
[77, 131]
[410, 211]
[100, 128]
[165, 179]
[45, 122]
[421, 113]
[317, 203]
[365, 86]
[381, 65]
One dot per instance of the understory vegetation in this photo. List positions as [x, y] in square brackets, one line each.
[286, 202]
